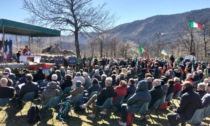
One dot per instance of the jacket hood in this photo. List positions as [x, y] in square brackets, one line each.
[142, 85]
[52, 85]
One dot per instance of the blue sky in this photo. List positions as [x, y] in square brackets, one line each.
[126, 10]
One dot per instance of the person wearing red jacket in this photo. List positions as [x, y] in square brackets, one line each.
[177, 85]
[121, 90]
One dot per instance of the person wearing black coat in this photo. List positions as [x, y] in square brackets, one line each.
[39, 75]
[190, 101]
[171, 87]
[27, 87]
[130, 89]
[156, 93]
[6, 91]
[67, 82]
[103, 95]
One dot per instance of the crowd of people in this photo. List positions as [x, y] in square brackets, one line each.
[137, 81]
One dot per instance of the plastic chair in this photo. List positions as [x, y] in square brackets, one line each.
[207, 111]
[162, 100]
[67, 90]
[155, 107]
[144, 108]
[177, 96]
[4, 102]
[169, 97]
[197, 117]
[119, 101]
[107, 104]
[53, 102]
[77, 99]
[29, 97]
[92, 93]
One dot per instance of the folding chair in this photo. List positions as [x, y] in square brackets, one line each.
[66, 90]
[169, 97]
[107, 105]
[197, 117]
[207, 111]
[155, 108]
[118, 102]
[28, 97]
[176, 97]
[4, 102]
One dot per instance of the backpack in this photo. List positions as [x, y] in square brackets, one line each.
[33, 114]
[77, 107]
[63, 110]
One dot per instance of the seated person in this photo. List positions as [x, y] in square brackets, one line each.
[67, 82]
[130, 89]
[39, 75]
[52, 90]
[6, 75]
[121, 90]
[201, 89]
[170, 87]
[94, 87]
[156, 93]
[27, 87]
[104, 94]
[136, 101]
[190, 101]
[206, 98]
[77, 90]
[5, 91]
[177, 85]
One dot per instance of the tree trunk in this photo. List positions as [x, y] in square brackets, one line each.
[76, 36]
[101, 49]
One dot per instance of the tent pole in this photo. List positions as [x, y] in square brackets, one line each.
[3, 38]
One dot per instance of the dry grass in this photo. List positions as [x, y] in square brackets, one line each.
[12, 117]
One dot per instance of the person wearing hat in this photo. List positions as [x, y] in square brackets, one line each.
[78, 77]
[77, 90]
[134, 103]
[190, 101]
[206, 98]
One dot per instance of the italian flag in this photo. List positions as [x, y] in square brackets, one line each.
[195, 25]
[141, 50]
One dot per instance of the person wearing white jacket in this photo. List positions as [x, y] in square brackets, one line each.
[78, 77]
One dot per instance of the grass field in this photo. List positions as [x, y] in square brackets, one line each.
[12, 117]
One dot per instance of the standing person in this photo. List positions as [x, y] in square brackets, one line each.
[190, 101]
[25, 50]
[18, 56]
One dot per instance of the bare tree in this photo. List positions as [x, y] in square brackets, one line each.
[113, 42]
[92, 44]
[75, 16]
[206, 34]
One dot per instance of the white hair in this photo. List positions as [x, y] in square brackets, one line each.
[109, 81]
[54, 77]
[3, 82]
[84, 74]
[157, 82]
[176, 79]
